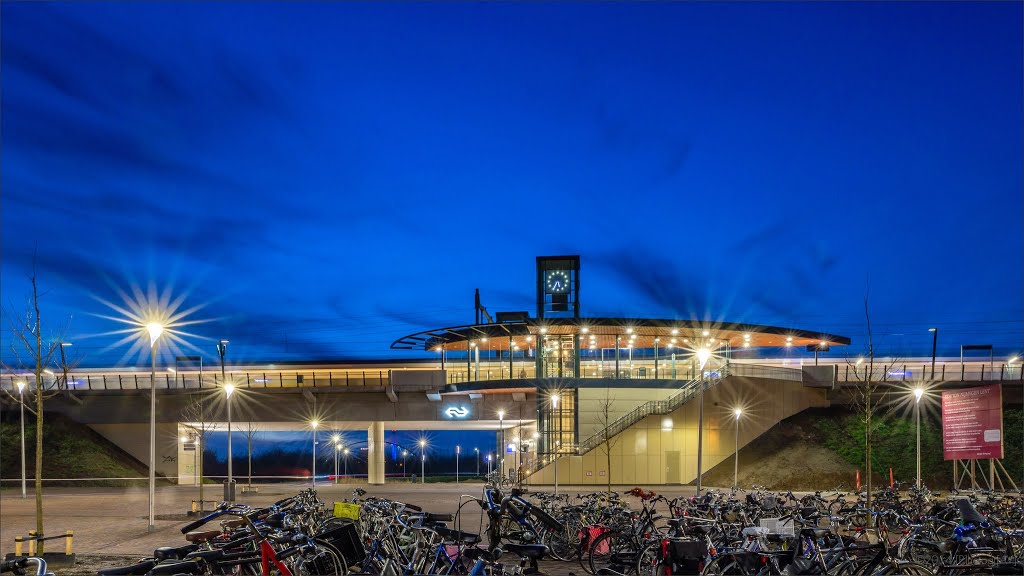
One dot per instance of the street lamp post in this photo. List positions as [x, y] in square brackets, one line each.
[736, 461]
[346, 462]
[501, 428]
[155, 329]
[458, 450]
[918, 392]
[477, 450]
[702, 356]
[228, 391]
[337, 448]
[935, 342]
[404, 454]
[314, 424]
[423, 462]
[64, 363]
[21, 396]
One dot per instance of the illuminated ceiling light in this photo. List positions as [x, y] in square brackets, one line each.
[746, 336]
[738, 412]
[675, 331]
[686, 339]
[544, 330]
[592, 347]
[657, 339]
[629, 330]
[673, 341]
[789, 338]
[529, 338]
[789, 344]
[584, 330]
[746, 344]
[483, 339]
[706, 333]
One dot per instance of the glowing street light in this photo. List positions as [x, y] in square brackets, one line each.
[918, 393]
[477, 450]
[345, 451]
[21, 401]
[404, 454]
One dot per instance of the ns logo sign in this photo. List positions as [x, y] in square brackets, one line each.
[456, 412]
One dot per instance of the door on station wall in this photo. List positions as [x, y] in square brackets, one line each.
[559, 357]
[672, 475]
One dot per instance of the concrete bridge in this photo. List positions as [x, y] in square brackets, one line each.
[655, 428]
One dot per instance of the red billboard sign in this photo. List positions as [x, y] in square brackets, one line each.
[972, 423]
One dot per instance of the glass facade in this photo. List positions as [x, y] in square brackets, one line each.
[558, 422]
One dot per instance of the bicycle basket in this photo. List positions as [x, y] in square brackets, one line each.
[345, 539]
[680, 550]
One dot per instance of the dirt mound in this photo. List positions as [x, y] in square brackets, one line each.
[790, 456]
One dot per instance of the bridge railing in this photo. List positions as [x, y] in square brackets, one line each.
[883, 370]
[205, 381]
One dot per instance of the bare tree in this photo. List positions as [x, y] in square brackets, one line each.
[195, 413]
[251, 430]
[608, 438]
[32, 351]
[870, 394]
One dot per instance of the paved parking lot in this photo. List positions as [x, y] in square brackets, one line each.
[114, 520]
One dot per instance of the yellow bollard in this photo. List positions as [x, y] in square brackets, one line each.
[17, 545]
[31, 542]
[194, 507]
[67, 542]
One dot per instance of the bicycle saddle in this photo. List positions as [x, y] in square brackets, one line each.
[201, 536]
[457, 535]
[172, 553]
[206, 555]
[132, 570]
[531, 551]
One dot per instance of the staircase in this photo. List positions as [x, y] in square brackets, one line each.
[654, 407]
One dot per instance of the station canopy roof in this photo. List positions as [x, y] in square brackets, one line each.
[597, 333]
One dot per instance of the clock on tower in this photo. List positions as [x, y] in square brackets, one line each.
[558, 286]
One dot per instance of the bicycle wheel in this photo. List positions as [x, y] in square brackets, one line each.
[649, 561]
[614, 553]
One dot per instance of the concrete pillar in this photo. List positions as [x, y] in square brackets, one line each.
[375, 453]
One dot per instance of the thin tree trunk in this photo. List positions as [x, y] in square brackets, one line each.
[39, 415]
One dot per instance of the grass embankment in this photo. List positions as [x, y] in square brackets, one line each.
[70, 450]
[821, 448]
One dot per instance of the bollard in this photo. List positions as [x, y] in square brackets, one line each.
[194, 508]
[68, 538]
[31, 542]
[17, 545]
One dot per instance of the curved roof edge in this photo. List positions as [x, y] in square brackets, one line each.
[610, 327]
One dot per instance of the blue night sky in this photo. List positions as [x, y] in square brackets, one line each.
[321, 179]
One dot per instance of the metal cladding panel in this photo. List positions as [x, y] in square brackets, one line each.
[818, 376]
[416, 380]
